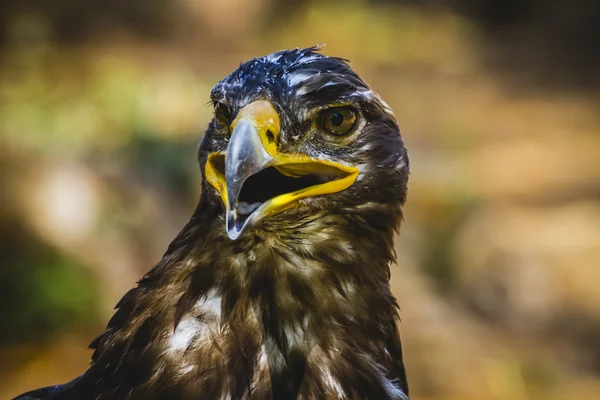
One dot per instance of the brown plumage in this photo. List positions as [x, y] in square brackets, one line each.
[259, 300]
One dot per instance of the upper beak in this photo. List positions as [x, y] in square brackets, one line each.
[253, 147]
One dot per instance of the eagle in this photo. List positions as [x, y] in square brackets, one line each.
[278, 286]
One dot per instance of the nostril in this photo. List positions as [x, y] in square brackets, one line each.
[270, 137]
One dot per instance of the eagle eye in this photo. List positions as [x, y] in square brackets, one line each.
[222, 114]
[338, 120]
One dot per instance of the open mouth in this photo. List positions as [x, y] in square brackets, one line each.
[280, 180]
[270, 183]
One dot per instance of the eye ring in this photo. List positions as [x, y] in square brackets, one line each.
[222, 114]
[338, 120]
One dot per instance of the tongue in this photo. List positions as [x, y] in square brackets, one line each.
[244, 208]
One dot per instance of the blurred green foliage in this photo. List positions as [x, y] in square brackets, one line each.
[43, 292]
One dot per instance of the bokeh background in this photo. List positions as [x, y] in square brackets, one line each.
[103, 103]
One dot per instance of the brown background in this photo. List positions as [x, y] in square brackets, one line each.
[102, 104]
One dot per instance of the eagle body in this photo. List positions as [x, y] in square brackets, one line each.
[261, 299]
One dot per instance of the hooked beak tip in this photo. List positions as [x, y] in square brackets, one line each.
[231, 224]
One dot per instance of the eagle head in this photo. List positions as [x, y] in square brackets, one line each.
[297, 136]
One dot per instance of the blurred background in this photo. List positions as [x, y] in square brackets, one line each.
[103, 103]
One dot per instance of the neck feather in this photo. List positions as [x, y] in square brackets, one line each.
[283, 303]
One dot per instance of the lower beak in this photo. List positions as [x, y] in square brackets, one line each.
[252, 150]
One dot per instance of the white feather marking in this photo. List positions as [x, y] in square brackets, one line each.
[188, 330]
[390, 386]
[362, 168]
[298, 78]
[394, 391]
[273, 57]
[326, 84]
[371, 95]
[367, 94]
[263, 358]
[302, 90]
[192, 329]
[350, 289]
[306, 60]
[386, 107]
[209, 304]
[187, 370]
[369, 205]
[332, 383]
[400, 164]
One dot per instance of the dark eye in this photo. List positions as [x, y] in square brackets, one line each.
[338, 120]
[222, 114]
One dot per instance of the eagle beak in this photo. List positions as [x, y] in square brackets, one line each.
[254, 131]
[256, 181]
